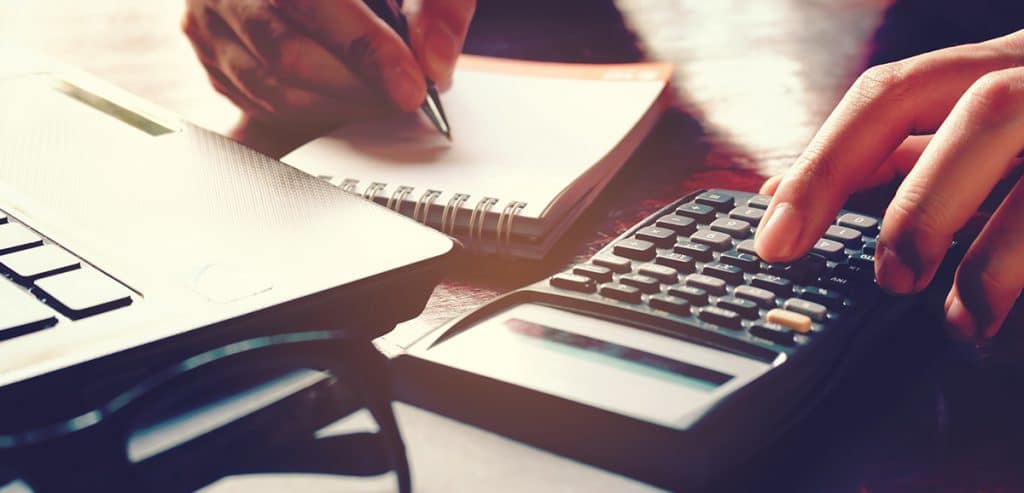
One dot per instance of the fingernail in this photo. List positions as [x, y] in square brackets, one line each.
[405, 86]
[959, 321]
[893, 274]
[441, 51]
[778, 237]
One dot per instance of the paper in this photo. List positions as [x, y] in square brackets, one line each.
[521, 131]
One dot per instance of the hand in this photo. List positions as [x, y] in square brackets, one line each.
[953, 122]
[323, 62]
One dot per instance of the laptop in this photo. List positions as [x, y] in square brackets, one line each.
[130, 239]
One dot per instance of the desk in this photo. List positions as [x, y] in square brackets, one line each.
[754, 80]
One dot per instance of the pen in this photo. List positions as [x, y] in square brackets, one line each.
[432, 104]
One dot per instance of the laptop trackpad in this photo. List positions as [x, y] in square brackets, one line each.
[224, 283]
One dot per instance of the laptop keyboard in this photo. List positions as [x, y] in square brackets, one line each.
[42, 283]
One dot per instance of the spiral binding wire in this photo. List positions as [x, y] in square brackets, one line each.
[476, 221]
[398, 196]
[452, 210]
[424, 203]
[376, 191]
[348, 185]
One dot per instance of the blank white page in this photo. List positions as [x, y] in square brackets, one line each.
[521, 131]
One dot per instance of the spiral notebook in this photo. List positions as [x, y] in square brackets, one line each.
[533, 145]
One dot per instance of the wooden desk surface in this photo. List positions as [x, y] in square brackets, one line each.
[753, 82]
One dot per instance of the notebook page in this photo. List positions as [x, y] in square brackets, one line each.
[521, 131]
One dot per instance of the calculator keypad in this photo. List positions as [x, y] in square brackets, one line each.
[694, 263]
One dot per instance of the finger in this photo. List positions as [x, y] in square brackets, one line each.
[225, 87]
[991, 276]
[438, 30]
[972, 150]
[364, 43]
[770, 185]
[288, 53]
[883, 107]
[897, 165]
[217, 47]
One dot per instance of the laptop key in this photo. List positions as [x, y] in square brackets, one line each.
[15, 237]
[83, 293]
[35, 263]
[21, 312]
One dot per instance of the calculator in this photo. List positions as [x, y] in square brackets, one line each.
[672, 353]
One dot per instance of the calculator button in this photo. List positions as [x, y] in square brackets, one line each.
[811, 309]
[847, 236]
[670, 304]
[803, 269]
[829, 249]
[721, 317]
[712, 285]
[696, 296]
[662, 273]
[728, 273]
[778, 285]
[797, 322]
[759, 201]
[678, 261]
[779, 269]
[21, 312]
[661, 237]
[745, 261]
[863, 260]
[83, 293]
[717, 200]
[621, 292]
[680, 224]
[736, 228]
[635, 249]
[616, 264]
[762, 297]
[830, 299]
[746, 308]
[696, 250]
[841, 283]
[14, 237]
[700, 212]
[646, 284]
[869, 247]
[574, 282]
[854, 273]
[713, 239]
[35, 263]
[864, 224]
[749, 214]
[746, 246]
[773, 332]
[810, 266]
[595, 272]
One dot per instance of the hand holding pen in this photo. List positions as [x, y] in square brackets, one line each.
[326, 62]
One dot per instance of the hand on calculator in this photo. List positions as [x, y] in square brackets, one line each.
[971, 98]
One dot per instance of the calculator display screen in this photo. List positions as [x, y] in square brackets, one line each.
[597, 362]
[629, 359]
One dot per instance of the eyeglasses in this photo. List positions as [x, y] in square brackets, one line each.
[262, 402]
